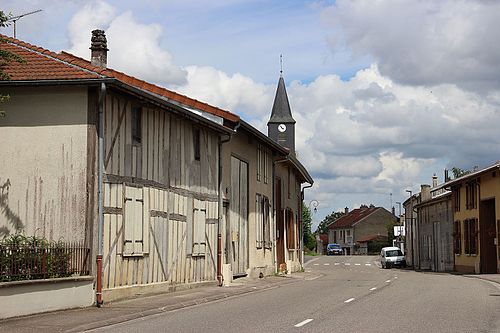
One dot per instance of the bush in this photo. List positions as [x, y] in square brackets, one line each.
[30, 258]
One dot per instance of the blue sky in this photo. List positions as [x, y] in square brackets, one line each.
[385, 93]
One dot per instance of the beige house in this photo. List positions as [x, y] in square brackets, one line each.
[163, 190]
[355, 228]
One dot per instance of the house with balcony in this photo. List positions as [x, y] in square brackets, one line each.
[362, 224]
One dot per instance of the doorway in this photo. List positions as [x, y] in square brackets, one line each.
[487, 233]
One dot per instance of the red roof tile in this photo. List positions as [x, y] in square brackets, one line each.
[372, 238]
[41, 64]
[353, 217]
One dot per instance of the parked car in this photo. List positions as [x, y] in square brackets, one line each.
[392, 256]
[333, 249]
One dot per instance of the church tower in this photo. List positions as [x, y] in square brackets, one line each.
[281, 125]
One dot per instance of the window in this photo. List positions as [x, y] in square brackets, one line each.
[196, 144]
[289, 176]
[134, 221]
[199, 243]
[259, 162]
[470, 236]
[457, 237]
[262, 222]
[266, 167]
[471, 196]
[290, 230]
[136, 125]
[456, 199]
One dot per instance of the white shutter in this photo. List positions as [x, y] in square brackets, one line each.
[258, 220]
[133, 233]
[199, 242]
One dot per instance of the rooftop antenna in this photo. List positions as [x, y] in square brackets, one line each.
[281, 65]
[16, 18]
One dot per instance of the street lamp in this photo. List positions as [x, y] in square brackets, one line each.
[315, 205]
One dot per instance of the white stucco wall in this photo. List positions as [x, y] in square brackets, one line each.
[43, 162]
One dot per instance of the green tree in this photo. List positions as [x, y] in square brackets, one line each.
[329, 219]
[457, 172]
[308, 237]
[5, 57]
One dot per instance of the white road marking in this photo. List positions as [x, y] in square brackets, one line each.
[388, 281]
[336, 264]
[357, 264]
[316, 264]
[326, 264]
[395, 277]
[347, 264]
[372, 289]
[349, 300]
[302, 323]
[368, 264]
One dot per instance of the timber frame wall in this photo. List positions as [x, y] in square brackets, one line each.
[160, 197]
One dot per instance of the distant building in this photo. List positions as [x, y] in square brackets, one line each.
[361, 224]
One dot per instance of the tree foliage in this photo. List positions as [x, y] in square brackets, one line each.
[329, 219]
[308, 237]
[457, 172]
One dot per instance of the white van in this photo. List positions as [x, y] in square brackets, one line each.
[392, 256]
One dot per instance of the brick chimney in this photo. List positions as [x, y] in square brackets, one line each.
[99, 48]
[425, 193]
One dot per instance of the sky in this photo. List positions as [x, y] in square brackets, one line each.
[385, 93]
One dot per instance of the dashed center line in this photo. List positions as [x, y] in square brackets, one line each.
[347, 264]
[326, 264]
[302, 323]
[316, 264]
[372, 289]
[336, 264]
[349, 300]
[368, 264]
[388, 281]
[357, 264]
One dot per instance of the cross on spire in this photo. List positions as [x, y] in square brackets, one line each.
[281, 65]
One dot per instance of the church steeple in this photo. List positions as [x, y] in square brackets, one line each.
[281, 125]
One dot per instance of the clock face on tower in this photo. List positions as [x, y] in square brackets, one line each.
[281, 128]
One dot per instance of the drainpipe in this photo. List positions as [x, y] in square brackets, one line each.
[100, 173]
[220, 277]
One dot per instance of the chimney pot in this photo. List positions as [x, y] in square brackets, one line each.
[434, 181]
[346, 210]
[99, 49]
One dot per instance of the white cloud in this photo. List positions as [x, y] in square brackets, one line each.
[422, 42]
[133, 47]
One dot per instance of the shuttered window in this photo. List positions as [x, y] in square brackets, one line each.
[199, 239]
[471, 196]
[457, 235]
[259, 162]
[470, 236]
[134, 221]
[262, 222]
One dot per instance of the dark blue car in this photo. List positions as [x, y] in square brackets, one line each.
[333, 249]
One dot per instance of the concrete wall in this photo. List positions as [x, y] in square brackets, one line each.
[30, 297]
[43, 164]
[375, 224]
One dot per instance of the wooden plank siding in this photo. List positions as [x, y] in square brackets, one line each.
[163, 167]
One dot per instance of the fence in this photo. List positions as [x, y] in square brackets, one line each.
[43, 261]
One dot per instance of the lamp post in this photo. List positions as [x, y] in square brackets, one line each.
[411, 228]
[315, 204]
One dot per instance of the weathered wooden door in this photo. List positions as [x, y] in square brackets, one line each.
[487, 231]
[239, 216]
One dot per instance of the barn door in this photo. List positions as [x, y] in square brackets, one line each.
[239, 215]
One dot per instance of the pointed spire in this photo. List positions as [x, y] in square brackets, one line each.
[281, 112]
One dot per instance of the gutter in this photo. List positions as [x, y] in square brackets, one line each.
[220, 276]
[301, 230]
[100, 196]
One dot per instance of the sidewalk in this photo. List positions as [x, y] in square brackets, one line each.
[78, 320]
[488, 277]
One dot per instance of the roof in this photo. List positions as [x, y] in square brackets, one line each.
[281, 112]
[44, 65]
[353, 217]
[468, 176]
[370, 238]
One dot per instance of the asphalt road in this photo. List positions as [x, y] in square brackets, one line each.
[344, 294]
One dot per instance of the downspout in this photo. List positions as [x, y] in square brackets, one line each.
[302, 223]
[220, 277]
[100, 173]
[275, 212]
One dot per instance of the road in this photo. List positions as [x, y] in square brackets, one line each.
[344, 294]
